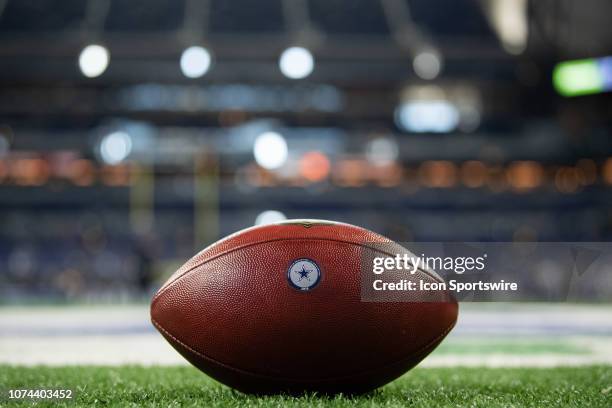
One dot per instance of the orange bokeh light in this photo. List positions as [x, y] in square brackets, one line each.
[81, 172]
[116, 176]
[607, 171]
[473, 174]
[350, 172]
[438, 173]
[567, 180]
[30, 171]
[314, 166]
[3, 170]
[525, 175]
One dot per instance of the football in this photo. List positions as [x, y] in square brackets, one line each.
[278, 308]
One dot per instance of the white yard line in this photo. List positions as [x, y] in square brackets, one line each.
[506, 360]
[145, 349]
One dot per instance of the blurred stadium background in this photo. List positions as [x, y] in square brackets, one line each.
[134, 133]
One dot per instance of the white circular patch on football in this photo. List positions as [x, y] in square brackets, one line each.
[304, 274]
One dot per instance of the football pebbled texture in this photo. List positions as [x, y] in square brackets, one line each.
[238, 311]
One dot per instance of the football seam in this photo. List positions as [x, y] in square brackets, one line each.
[206, 260]
[228, 251]
[431, 343]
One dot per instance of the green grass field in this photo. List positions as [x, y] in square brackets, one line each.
[422, 387]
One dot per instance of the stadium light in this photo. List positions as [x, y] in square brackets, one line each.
[427, 64]
[436, 116]
[195, 62]
[270, 150]
[314, 166]
[269, 217]
[115, 147]
[94, 60]
[381, 151]
[296, 62]
[510, 21]
[583, 77]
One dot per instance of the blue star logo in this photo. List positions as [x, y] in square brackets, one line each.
[304, 274]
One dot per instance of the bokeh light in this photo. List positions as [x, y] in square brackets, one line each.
[382, 151]
[607, 171]
[115, 147]
[314, 166]
[195, 62]
[473, 174]
[296, 62]
[435, 116]
[94, 60]
[269, 217]
[427, 64]
[438, 174]
[567, 179]
[525, 175]
[270, 150]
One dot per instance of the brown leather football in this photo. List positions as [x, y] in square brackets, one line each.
[278, 308]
